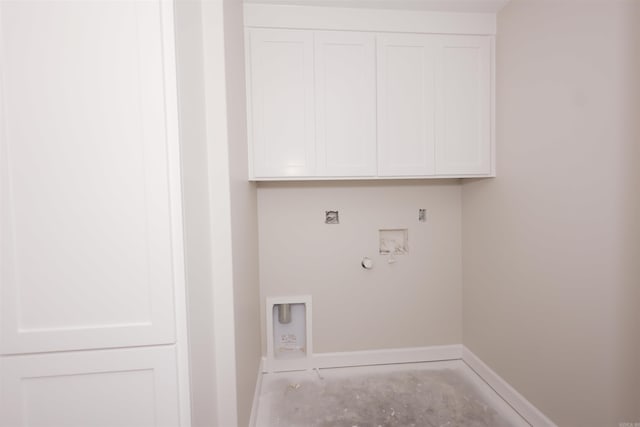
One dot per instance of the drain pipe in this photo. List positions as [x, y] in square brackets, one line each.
[284, 313]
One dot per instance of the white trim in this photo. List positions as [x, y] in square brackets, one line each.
[517, 401]
[492, 120]
[353, 19]
[177, 220]
[387, 356]
[213, 26]
[256, 395]
[369, 178]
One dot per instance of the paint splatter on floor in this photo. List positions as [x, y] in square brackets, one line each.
[416, 397]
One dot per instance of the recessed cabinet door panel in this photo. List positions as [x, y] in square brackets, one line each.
[464, 106]
[107, 388]
[345, 103]
[280, 69]
[406, 105]
[85, 218]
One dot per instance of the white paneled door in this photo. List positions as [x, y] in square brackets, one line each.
[345, 103]
[434, 105]
[464, 106]
[90, 222]
[104, 388]
[282, 110]
[406, 104]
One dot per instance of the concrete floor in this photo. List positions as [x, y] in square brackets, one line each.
[418, 394]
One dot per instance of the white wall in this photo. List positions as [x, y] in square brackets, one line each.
[220, 213]
[414, 302]
[551, 246]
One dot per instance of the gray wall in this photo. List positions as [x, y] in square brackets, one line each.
[551, 246]
[244, 219]
[414, 302]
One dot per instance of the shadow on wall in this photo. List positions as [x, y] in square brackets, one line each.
[355, 184]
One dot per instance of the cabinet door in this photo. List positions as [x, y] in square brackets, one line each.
[280, 96]
[124, 387]
[345, 103]
[406, 104]
[463, 143]
[87, 214]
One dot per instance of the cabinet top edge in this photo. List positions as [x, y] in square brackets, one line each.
[354, 19]
[371, 178]
[455, 6]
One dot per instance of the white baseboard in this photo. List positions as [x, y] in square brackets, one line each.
[387, 356]
[256, 396]
[521, 405]
[366, 358]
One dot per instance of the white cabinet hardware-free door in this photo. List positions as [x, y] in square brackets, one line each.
[406, 104]
[103, 388]
[91, 273]
[345, 103]
[281, 111]
[434, 105]
[311, 103]
[463, 120]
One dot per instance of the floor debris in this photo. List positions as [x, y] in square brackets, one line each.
[369, 396]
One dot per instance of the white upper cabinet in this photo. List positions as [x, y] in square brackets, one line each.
[312, 103]
[397, 94]
[281, 108]
[463, 141]
[406, 104]
[345, 103]
[434, 105]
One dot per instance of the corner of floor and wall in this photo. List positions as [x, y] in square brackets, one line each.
[551, 246]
